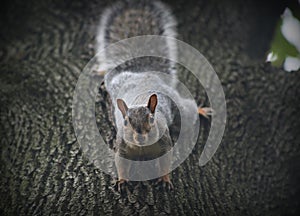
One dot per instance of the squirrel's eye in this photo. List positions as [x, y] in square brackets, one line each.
[125, 122]
[151, 120]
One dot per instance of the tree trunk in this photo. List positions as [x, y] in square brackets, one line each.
[44, 47]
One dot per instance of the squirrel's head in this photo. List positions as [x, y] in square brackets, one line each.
[139, 124]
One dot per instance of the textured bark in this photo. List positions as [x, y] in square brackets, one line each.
[44, 46]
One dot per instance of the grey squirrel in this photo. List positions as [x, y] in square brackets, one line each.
[142, 120]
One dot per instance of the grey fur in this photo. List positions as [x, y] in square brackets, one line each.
[137, 79]
[134, 18]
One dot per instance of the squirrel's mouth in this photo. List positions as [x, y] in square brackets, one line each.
[143, 143]
[135, 142]
[140, 140]
[140, 143]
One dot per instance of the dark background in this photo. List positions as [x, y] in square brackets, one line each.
[43, 47]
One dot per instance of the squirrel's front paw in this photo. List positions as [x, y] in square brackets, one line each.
[120, 185]
[166, 182]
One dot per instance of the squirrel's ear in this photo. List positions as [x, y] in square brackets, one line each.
[122, 107]
[152, 103]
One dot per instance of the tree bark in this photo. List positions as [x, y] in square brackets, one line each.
[44, 47]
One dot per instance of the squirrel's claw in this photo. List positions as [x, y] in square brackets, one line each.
[166, 182]
[205, 111]
[169, 185]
